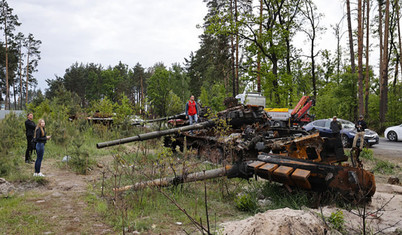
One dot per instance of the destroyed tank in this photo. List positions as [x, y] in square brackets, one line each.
[242, 139]
[234, 134]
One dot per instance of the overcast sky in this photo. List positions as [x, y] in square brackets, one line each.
[108, 31]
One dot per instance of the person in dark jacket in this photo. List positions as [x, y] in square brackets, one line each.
[29, 132]
[336, 128]
[192, 110]
[361, 127]
[41, 139]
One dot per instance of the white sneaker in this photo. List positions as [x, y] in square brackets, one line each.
[40, 174]
[35, 174]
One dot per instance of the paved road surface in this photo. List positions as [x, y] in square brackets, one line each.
[388, 146]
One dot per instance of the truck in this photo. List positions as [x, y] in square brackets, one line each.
[299, 116]
[251, 98]
[281, 117]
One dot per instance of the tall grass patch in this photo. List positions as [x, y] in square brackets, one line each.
[136, 210]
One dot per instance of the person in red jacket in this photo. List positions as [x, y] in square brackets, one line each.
[192, 110]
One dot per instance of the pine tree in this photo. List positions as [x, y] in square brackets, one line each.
[8, 23]
[33, 56]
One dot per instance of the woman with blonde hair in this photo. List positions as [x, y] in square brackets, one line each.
[40, 139]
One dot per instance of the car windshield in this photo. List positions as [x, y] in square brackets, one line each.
[347, 124]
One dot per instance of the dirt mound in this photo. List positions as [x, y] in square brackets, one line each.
[281, 221]
[384, 215]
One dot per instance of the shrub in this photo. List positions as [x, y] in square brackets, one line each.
[337, 220]
[12, 139]
[80, 160]
[367, 154]
[246, 202]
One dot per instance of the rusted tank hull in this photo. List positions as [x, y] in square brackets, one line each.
[349, 181]
[354, 184]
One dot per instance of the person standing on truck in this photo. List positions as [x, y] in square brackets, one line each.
[29, 132]
[361, 126]
[192, 110]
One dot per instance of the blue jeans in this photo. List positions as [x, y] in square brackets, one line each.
[193, 119]
[40, 150]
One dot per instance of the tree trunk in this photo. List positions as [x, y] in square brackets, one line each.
[399, 35]
[259, 53]
[367, 78]
[27, 81]
[360, 55]
[232, 54]
[384, 80]
[21, 84]
[15, 97]
[275, 84]
[381, 38]
[352, 59]
[338, 52]
[142, 91]
[313, 69]
[7, 106]
[396, 75]
[237, 49]
[7, 80]
[350, 31]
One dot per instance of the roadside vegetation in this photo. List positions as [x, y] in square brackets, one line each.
[210, 202]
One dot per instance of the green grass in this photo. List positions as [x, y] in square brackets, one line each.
[384, 167]
[16, 216]
[137, 210]
[144, 206]
[367, 154]
[227, 198]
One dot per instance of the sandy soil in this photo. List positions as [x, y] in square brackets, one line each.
[384, 214]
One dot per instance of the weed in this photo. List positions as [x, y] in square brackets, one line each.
[41, 180]
[280, 197]
[246, 202]
[384, 167]
[134, 210]
[337, 220]
[367, 154]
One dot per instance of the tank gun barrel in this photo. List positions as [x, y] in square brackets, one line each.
[181, 115]
[168, 181]
[155, 134]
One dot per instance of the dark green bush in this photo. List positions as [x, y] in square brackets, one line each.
[13, 141]
[246, 202]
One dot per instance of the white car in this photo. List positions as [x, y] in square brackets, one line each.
[394, 133]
